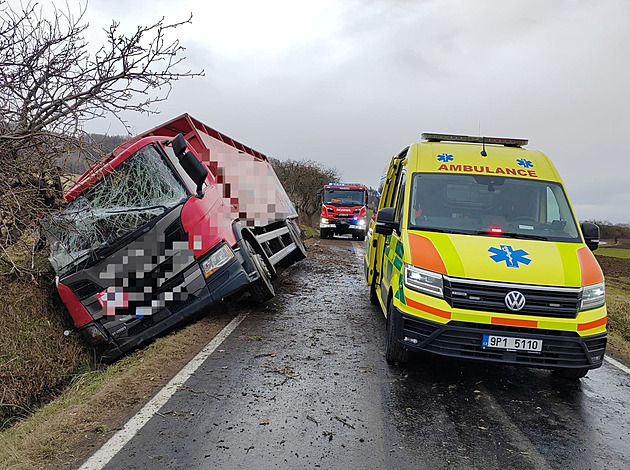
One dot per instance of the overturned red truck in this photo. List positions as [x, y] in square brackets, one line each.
[173, 221]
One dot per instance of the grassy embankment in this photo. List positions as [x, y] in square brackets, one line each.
[615, 262]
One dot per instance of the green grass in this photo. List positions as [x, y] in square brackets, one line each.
[614, 252]
[309, 231]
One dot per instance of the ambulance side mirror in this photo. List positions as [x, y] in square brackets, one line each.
[385, 223]
[591, 235]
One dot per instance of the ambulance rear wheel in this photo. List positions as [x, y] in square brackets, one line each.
[572, 374]
[373, 296]
[261, 289]
[394, 352]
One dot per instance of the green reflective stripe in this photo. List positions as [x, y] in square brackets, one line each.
[398, 264]
[400, 249]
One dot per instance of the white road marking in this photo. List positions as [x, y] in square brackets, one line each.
[617, 364]
[106, 453]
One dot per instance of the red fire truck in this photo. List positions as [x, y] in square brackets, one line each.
[173, 221]
[343, 210]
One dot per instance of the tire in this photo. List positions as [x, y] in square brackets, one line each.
[261, 289]
[323, 234]
[296, 237]
[572, 374]
[394, 352]
[361, 237]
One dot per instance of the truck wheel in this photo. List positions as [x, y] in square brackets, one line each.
[361, 237]
[261, 289]
[394, 350]
[572, 374]
[300, 250]
[323, 233]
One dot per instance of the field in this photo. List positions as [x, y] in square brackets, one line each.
[615, 262]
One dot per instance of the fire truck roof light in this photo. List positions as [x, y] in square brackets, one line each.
[508, 142]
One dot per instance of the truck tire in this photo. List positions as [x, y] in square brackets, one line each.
[394, 352]
[572, 374]
[261, 289]
[296, 237]
[361, 237]
[323, 233]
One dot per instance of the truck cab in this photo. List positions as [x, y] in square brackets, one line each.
[476, 253]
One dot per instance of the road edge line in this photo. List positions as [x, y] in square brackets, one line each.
[617, 364]
[115, 444]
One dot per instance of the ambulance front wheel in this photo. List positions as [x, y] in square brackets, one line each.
[395, 352]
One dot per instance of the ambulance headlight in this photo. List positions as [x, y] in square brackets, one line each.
[216, 259]
[424, 281]
[593, 296]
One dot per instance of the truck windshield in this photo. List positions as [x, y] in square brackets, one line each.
[138, 190]
[491, 205]
[344, 197]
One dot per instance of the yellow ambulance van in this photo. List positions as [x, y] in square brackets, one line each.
[476, 253]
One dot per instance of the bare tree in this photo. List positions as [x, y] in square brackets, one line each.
[50, 85]
[301, 179]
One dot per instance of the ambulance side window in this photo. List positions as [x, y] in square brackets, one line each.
[400, 196]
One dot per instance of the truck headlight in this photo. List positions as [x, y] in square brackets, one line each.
[424, 281]
[362, 222]
[593, 296]
[324, 221]
[217, 259]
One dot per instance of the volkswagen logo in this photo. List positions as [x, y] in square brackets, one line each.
[515, 301]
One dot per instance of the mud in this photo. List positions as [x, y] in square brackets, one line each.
[303, 383]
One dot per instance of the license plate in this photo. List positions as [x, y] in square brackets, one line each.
[511, 343]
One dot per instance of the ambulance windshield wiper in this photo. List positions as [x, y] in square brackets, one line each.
[524, 236]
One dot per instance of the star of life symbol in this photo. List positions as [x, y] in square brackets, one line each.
[525, 163]
[514, 300]
[445, 157]
[508, 254]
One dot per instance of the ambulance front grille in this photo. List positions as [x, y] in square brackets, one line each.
[542, 301]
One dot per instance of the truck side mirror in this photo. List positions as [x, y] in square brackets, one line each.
[195, 170]
[179, 145]
[319, 195]
[591, 235]
[385, 223]
[193, 167]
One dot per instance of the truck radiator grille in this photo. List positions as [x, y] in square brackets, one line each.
[490, 297]
[85, 288]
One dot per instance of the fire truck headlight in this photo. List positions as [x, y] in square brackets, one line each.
[362, 222]
[324, 221]
[216, 259]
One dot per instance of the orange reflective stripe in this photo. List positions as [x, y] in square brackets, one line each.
[425, 255]
[514, 322]
[428, 309]
[592, 324]
[591, 272]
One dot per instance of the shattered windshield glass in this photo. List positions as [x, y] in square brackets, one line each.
[136, 191]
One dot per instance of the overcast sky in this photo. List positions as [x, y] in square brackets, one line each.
[350, 83]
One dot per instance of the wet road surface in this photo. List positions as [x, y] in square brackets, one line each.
[303, 383]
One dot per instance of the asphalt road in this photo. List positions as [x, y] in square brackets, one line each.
[304, 384]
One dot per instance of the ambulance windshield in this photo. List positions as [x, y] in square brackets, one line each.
[491, 205]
